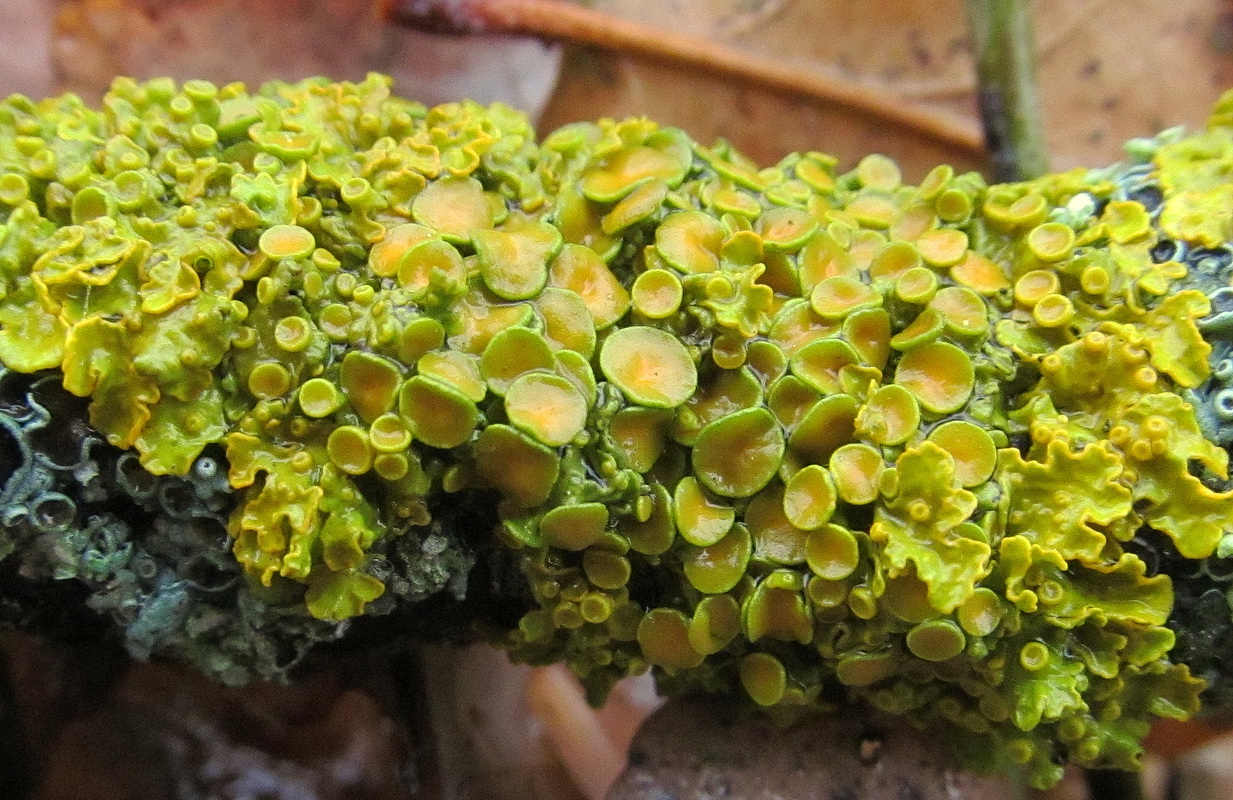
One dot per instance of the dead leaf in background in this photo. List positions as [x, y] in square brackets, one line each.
[1108, 70]
[240, 40]
[1114, 70]
[767, 125]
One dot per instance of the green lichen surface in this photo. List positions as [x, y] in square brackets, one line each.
[789, 432]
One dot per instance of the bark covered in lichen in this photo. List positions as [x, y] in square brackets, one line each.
[625, 401]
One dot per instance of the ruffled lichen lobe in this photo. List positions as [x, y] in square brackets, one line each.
[788, 432]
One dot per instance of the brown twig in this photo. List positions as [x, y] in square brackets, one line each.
[558, 20]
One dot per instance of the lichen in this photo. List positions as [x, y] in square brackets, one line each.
[151, 550]
[952, 448]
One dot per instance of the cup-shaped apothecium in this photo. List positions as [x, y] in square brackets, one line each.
[275, 361]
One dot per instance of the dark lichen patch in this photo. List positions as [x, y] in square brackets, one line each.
[150, 552]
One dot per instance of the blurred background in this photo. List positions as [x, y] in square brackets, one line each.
[1109, 69]
[893, 76]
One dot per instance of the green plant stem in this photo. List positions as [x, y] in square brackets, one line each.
[1004, 47]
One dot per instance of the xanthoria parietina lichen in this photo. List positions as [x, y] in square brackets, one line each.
[958, 450]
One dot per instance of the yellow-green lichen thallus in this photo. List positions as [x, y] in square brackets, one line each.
[781, 431]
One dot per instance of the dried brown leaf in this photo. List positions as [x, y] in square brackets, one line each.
[1109, 71]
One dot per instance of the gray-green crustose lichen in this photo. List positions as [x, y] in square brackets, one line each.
[789, 432]
[153, 551]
